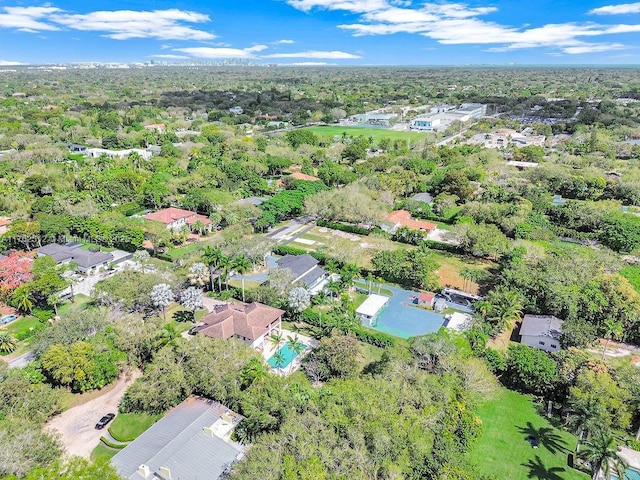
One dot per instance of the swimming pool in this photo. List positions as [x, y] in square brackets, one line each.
[287, 354]
[400, 316]
[630, 474]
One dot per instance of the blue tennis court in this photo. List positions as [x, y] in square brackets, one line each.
[402, 318]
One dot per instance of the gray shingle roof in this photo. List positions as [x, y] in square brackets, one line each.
[298, 264]
[303, 267]
[541, 326]
[178, 442]
[84, 258]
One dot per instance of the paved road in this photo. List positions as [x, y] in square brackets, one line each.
[76, 426]
[22, 360]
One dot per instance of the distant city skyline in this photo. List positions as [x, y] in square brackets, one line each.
[322, 32]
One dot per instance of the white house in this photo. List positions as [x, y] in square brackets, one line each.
[368, 310]
[541, 331]
[458, 321]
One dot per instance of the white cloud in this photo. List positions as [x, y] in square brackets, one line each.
[126, 24]
[168, 56]
[117, 24]
[285, 42]
[309, 64]
[218, 53]
[8, 63]
[27, 19]
[458, 24]
[622, 9]
[332, 55]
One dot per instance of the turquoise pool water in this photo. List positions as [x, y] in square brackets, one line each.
[630, 474]
[288, 355]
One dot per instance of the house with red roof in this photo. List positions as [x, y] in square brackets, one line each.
[252, 323]
[402, 218]
[4, 226]
[158, 127]
[177, 218]
[425, 299]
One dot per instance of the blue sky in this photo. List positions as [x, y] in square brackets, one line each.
[336, 32]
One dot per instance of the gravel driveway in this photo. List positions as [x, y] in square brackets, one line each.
[76, 426]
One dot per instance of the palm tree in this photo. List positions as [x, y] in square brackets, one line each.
[213, 258]
[348, 274]
[276, 339]
[21, 299]
[483, 308]
[242, 265]
[586, 415]
[507, 308]
[602, 454]
[296, 346]
[54, 300]
[614, 330]
[279, 359]
[467, 275]
[8, 342]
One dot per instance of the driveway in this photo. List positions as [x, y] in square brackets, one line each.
[76, 426]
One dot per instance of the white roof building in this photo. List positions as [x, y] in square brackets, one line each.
[371, 306]
[458, 321]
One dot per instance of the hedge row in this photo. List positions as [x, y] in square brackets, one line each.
[344, 227]
[108, 443]
[417, 238]
[377, 339]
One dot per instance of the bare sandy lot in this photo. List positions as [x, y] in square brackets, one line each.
[76, 426]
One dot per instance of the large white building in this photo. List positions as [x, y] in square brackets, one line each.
[96, 152]
[442, 116]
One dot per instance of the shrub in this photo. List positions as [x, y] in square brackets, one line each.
[344, 227]
[118, 446]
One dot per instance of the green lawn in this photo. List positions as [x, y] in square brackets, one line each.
[129, 426]
[503, 452]
[80, 302]
[376, 133]
[21, 326]
[103, 453]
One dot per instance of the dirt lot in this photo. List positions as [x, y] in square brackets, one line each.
[76, 426]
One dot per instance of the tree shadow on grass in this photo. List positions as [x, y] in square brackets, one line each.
[546, 436]
[539, 471]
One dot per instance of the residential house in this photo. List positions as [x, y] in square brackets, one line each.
[4, 225]
[75, 148]
[86, 261]
[298, 176]
[236, 110]
[158, 127]
[402, 218]
[541, 331]
[96, 152]
[192, 441]
[305, 271]
[252, 323]
[176, 218]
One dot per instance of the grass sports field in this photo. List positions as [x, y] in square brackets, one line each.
[376, 133]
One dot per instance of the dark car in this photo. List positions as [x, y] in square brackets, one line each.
[105, 420]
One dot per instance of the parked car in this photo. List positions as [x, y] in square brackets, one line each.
[105, 420]
[8, 319]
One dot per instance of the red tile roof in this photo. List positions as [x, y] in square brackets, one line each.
[403, 217]
[4, 223]
[170, 215]
[303, 176]
[425, 297]
[246, 320]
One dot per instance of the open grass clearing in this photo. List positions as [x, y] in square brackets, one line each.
[503, 452]
[102, 453]
[126, 427]
[80, 302]
[377, 133]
